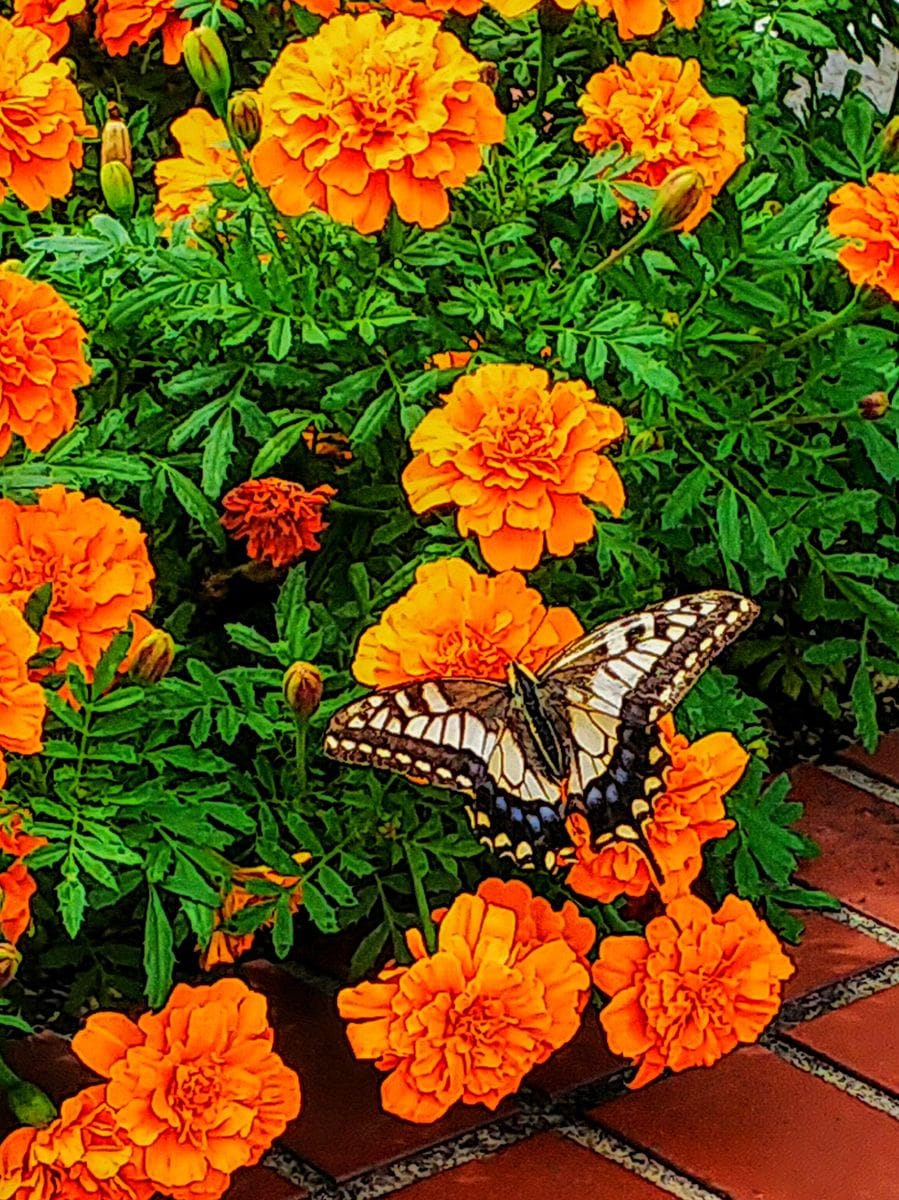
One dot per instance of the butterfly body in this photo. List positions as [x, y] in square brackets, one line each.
[578, 736]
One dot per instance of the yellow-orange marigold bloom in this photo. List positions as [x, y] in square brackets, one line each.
[96, 560]
[197, 1085]
[226, 947]
[83, 1155]
[517, 455]
[41, 364]
[642, 18]
[362, 116]
[436, 10]
[686, 815]
[693, 988]
[123, 24]
[17, 886]
[50, 17]
[468, 1022]
[41, 119]
[869, 217]
[206, 158]
[22, 702]
[279, 519]
[455, 622]
[656, 107]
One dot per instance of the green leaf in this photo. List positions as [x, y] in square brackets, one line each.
[335, 887]
[685, 497]
[864, 707]
[368, 952]
[320, 909]
[159, 955]
[72, 899]
[36, 608]
[195, 504]
[280, 338]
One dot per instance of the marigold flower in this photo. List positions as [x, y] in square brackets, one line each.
[454, 360]
[22, 702]
[642, 18]
[206, 158]
[14, 840]
[516, 454]
[362, 116]
[123, 24]
[869, 217]
[43, 362]
[49, 17]
[436, 10]
[455, 622]
[656, 108]
[197, 1085]
[279, 519]
[686, 815]
[17, 886]
[96, 560]
[83, 1155]
[41, 119]
[226, 947]
[693, 988]
[468, 1022]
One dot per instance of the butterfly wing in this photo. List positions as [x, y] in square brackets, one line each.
[612, 687]
[463, 734]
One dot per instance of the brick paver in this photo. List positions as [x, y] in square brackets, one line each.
[260, 1183]
[883, 763]
[829, 952]
[863, 1037]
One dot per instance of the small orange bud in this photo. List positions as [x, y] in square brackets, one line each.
[874, 407]
[154, 657]
[117, 187]
[680, 192]
[10, 958]
[302, 687]
[206, 58]
[245, 117]
[115, 140]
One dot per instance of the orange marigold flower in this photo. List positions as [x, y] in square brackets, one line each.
[50, 17]
[17, 886]
[869, 217]
[516, 453]
[468, 1022]
[363, 116]
[206, 158]
[454, 360]
[197, 1085]
[83, 1155]
[693, 988]
[279, 519]
[42, 363]
[226, 947]
[686, 815]
[14, 840]
[641, 18]
[656, 108]
[22, 702]
[41, 119]
[437, 10]
[123, 24]
[455, 622]
[96, 560]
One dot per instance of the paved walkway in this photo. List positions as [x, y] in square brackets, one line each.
[812, 1113]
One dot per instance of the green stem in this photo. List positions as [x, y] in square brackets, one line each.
[549, 40]
[270, 214]
[300, 745]
[421, 902]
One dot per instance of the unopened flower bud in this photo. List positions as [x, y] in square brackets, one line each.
[245, 117]
[29, 1105]
[206, 58]
[117, 187]
[874, 407]
[10, 958]
[154, 657]
[680, 192]
[671, 319]
[889, 140]
[302, 686]
[115, 140]
[489, 74]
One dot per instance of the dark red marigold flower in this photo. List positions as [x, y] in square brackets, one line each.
[279, 519]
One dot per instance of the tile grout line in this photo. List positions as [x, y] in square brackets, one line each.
[864, 782]
[813, 1064]
[859, 921]
[833, 996]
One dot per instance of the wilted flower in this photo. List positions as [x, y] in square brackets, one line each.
[517, 455]
[115, 140]
[698, 984]
[10, 961]
[869, 218]
[279, 519]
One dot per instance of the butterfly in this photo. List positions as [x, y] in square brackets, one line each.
[578, 736]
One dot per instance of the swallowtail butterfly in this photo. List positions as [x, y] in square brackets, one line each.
[579, 736]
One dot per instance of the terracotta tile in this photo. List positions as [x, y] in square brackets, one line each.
[47, 1060]
[586, 1059]
[546, 1165]
[862, 1036]
[859, 839]
[883, 763]
[341, 1128]
[753, 1126]
[259, 1183]
[829, 952]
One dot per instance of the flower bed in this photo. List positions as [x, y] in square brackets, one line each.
[401, 407]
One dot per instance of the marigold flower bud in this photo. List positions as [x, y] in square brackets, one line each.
[874, 407]
[154, 657]
[889, 140]
[671, 319]
[115, 140]
[302, 686]
[677, 197]
[10, 958]
[117, 187]
[245, 117]
[206, 58]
